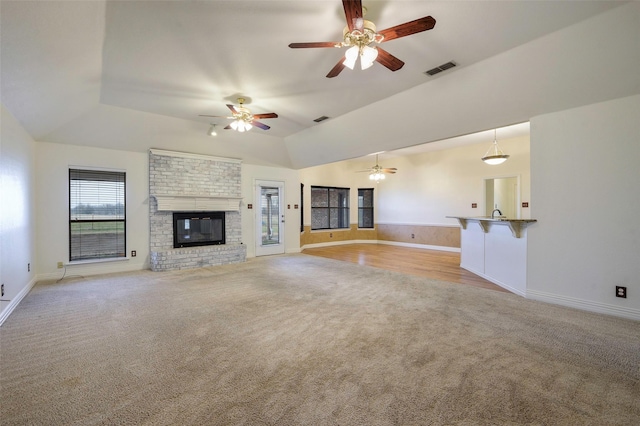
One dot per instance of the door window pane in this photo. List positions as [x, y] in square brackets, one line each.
[270, 205]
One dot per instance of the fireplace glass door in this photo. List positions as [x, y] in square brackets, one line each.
[198, 229]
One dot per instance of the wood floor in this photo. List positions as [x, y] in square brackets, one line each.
[440, 265]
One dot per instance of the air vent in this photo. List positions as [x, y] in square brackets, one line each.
[441, 68]
[319, 119]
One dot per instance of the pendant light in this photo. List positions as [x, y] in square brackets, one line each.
[212, 130]
[494, 154]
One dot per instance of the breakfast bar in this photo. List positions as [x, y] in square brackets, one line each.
[495, 249]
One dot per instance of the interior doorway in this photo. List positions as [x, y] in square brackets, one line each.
[269, 218]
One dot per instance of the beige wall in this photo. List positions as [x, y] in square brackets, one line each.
[309, 237]
[439, 236]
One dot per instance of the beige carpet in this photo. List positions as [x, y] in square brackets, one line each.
[303, 340]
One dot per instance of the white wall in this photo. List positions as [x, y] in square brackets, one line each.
[52, 217]
[585, 181]
[430, 186]
[291, 179]
[17, 207]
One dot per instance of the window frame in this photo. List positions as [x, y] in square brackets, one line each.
[342, 210]
[362, 209]
[76, 194]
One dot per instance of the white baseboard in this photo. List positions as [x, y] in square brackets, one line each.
[391, 243]
[585, 305]
[86, 269]
[496, 282]
[16, 300]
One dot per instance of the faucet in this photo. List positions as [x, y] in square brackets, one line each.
[494, 211]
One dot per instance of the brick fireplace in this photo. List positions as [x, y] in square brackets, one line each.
[183, 182]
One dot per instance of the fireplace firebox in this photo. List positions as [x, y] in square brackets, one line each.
[198, 229]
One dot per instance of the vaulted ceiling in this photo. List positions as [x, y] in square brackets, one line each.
[134, 75]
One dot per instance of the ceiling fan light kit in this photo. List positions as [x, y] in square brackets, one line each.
[359, 34]
[243, 119]
[494, 154]
[376, 176]
[377, 173]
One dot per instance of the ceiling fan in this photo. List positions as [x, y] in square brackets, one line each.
[242, 118]
[360, 33]
[376, 172]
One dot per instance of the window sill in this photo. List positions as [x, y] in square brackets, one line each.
[89, 261]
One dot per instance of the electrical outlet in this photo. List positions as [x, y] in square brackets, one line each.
[1, 290]
[133, 253]
[413, 235]
[60, 265]
[28, 267]
[621, 292]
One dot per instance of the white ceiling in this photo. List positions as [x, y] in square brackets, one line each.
[133, 75]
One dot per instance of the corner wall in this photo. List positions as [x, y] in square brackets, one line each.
[585, 182]
[52, 216]
[18, 257]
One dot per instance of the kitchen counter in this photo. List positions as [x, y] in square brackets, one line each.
[515, 225]
[496, 250]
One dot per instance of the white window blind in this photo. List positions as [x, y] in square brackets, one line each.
[97, 214]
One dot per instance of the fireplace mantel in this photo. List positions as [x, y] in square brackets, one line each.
[180, 203]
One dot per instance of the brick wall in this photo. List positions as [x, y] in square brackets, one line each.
[182, 174]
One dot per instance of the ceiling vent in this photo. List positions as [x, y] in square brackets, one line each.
[319, 119]
[441, 68]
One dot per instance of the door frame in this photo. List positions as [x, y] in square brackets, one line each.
[271, 249]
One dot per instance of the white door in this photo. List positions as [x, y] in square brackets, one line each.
[269, 217]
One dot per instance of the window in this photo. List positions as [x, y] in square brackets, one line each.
[329, 207]
[96, 214]
[365, 208]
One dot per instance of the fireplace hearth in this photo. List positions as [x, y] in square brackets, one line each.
[191, 229]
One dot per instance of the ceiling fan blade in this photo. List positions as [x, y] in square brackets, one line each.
[408, 28]
[388, 60]
[260, 125]
[353, 13]
[231, 107]
[337, 69]
[228, 127]
[216, 116]
[389, 170]
[316, 44]
[266, 115]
